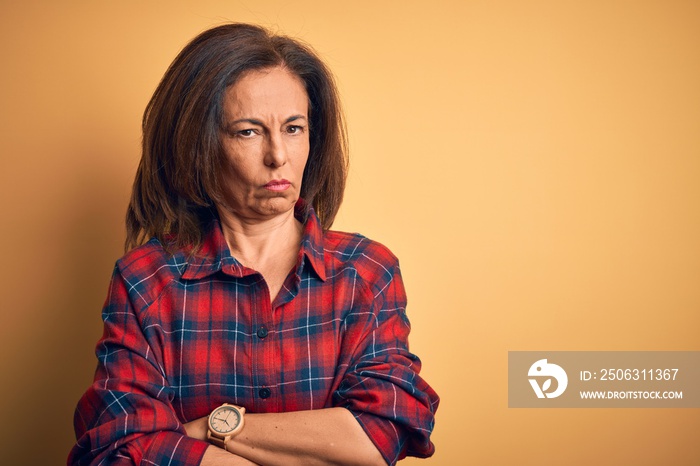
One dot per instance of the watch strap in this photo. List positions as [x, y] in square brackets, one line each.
[218, 441]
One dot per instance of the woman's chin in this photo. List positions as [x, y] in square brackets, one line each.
[274, 206]
[264, 207]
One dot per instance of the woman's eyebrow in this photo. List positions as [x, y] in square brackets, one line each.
[257, 122]
[294, 118]
[246, 120]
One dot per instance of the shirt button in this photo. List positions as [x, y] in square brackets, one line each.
[262, 332]
[264, 393]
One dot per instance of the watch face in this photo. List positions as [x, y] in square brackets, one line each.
[224, 419]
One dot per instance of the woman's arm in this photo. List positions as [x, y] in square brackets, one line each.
[319, 437]
[382, 387]
[127, 413]
[384, 410]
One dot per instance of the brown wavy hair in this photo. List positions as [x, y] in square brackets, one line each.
[177, 182]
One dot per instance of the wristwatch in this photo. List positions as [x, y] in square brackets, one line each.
[224, 422]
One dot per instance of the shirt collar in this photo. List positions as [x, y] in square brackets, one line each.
[312, 245]
[214, 254]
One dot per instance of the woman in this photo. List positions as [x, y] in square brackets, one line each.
[245, 331]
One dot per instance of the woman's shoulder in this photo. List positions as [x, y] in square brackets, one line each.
[150, 254]
[358, 251]
[150, 266]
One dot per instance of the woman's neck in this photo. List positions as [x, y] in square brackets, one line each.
[257, 242]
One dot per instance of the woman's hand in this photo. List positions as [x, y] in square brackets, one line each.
[197, 428]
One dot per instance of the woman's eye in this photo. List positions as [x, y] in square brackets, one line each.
[295, 129]
[246, 133]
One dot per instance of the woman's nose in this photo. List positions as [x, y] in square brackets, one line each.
[276, 152]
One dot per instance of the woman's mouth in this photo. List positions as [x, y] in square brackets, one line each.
[277, 185]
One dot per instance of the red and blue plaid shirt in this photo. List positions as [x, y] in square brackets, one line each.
[182, 335]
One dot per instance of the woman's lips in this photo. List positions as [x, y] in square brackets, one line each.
[277, 185]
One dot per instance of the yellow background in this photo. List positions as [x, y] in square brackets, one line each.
[534, 164]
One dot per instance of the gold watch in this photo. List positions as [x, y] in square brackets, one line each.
[224, 422]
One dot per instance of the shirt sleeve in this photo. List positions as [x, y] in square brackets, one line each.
[126, 416]
[382, 386]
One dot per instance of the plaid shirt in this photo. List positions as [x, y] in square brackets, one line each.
[182, 335]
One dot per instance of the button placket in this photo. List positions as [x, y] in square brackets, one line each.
[265, 375]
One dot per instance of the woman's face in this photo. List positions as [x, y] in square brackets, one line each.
[266, 141]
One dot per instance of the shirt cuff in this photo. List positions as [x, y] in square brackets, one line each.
[384, 434]
[174, 449]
